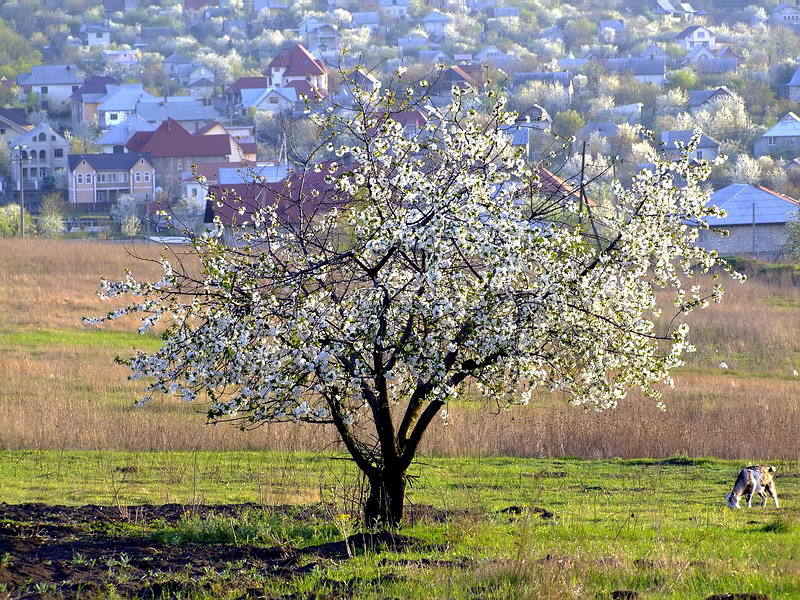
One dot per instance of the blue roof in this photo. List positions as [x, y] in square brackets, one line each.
[739, 199]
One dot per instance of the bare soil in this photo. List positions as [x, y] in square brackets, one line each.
[65, 552]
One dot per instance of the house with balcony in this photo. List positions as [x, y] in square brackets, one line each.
[41, 155]
[696, 35]
[103, 178]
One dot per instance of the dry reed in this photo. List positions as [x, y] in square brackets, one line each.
[59, 392]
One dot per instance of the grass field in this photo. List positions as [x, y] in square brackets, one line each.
[656, 527]
[626, 515]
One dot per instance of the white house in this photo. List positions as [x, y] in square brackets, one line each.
[696, 35]
[434, 24]
[53, 84]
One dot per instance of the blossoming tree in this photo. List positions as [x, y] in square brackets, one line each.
[433, 259]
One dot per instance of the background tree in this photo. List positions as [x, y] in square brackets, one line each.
[51, 215]
[428, 262]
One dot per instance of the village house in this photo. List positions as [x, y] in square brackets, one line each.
[52, 84]
[561, 78]
[103, 178]
[703, 99]
[41, 155]
[394, 10]
[755, 220]
[434, 25]
[791, 89]
[120, 103]
[13, 122]
[643, 70]
[707, 148]
[297, 65]
[174, 150]
[319, 35]
[785, 15]
[115, 139]
[782, 139]
[89, 96]
[696, 35]
[96, 35]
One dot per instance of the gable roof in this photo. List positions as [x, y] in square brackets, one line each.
[15, 116]
[120, 133]
[298, 62]
[124, 97]
[28, 135]
[248, 83]
[739, 200]
[641, 67]
[171, 139]
[50, 75]
[184, 108]
[436, 17]
[684, 136]
[699, 97]
[96, 84]
[109, 162]
[788, 126]
[690, 30]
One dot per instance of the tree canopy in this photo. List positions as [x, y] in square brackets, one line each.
[399, 265]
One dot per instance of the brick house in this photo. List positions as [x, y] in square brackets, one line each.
[755, 220]
[104, 178]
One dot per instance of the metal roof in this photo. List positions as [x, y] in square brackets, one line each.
[788, 126]
[748, 204]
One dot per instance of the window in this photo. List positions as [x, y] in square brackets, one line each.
[146, 176]
[33, 172]
[43, 137]
[194, 192]
[112, 116]
[792, 142]
[44, 89]
[771, 141]
[138, 176]
[112, 177]
[58, 153]
[88, 178]
[74, 88]
[699, 154]
[2, 130]
[79, 178]
[42, 155]
[123, 177]
[273, 99]
[101, 178]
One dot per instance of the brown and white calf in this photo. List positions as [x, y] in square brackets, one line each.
[756, 479]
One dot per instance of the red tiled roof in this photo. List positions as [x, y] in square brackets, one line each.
[171, 139]
[248, 83]
[298, 62]
[304, 87]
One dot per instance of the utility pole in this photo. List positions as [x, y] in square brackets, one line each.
[19, 149]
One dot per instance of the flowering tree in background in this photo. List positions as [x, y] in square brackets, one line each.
[434, 260]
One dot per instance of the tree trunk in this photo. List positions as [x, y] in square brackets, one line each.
[387, 492]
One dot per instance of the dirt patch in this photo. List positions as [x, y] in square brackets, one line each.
[55, 551]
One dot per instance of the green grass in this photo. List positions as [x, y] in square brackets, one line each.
[39, 340]
[659, 527]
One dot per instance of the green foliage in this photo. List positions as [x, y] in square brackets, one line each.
[16, 53]
[568, 122]
[10, 221]
[684, 79]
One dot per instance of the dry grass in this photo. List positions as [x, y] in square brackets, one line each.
[61, 388]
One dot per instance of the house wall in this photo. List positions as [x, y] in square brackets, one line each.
[56, 97]
[169, 169]
[769, 240]
[138, 181]
[83, 192]
[788, 145]
[37, 168]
